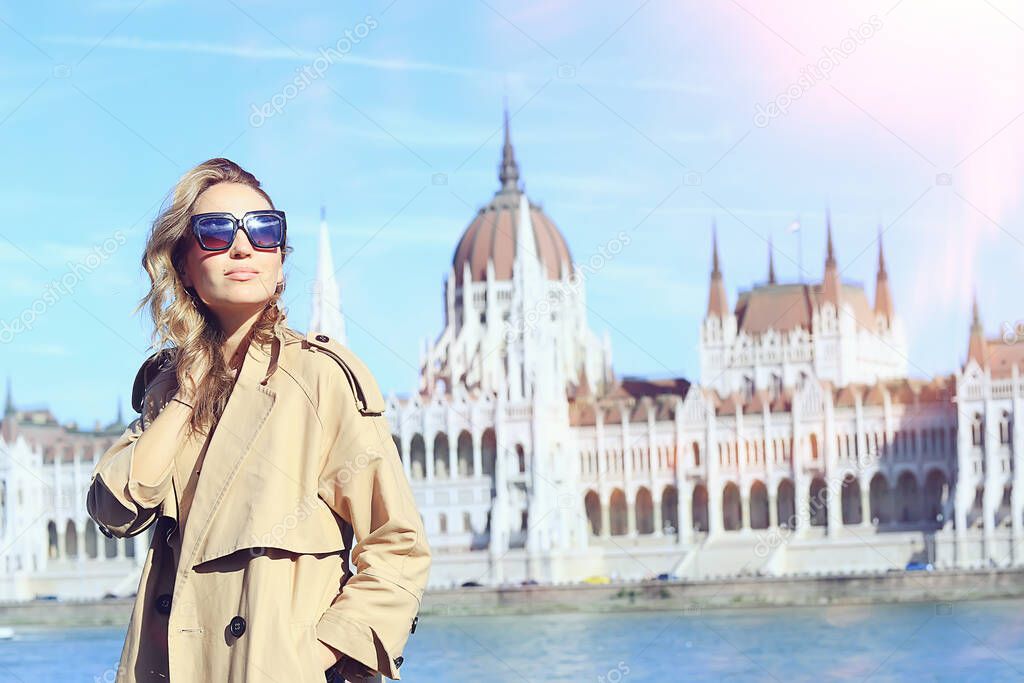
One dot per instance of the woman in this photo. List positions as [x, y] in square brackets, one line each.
[257, 453]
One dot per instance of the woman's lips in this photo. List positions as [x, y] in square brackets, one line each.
[242, 275]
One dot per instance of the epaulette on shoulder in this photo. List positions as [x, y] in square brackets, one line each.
[292, 336]
[369, 399]
[151, 367]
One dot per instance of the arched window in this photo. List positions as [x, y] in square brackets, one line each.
[441, 456]
[732, 514]
[669, 509]
[786, 504]
[748, 388]
[699, 508]
[71, 540]
[1005, 428]
[758, 506]
[644, 511]
[488, 452]
[850, 499]
[592, 504]
[465, 454]
[936, 493]
[617, 513]
[908, 498]
[418, 455]
[53, 546]
[818, 512]
[977, 430]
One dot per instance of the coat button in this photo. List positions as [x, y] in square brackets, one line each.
[415, 620]
[398, 661]
[163, 604]
[322, 338]
[237, 626]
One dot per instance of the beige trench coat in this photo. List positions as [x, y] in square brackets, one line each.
[301, 451]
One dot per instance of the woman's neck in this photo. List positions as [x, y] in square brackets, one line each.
[236, 339]
[234, 351]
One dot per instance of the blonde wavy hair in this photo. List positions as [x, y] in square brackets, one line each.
[181, 321]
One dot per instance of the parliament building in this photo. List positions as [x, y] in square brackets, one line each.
[803, 448]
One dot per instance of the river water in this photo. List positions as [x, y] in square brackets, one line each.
[968, 641]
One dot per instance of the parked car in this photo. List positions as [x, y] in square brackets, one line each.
[597, 579]
[919, 567]
[529, 582]
[471, 584]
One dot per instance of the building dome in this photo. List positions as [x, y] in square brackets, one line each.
[491, 235]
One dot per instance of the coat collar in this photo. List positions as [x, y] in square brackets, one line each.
[248, 409]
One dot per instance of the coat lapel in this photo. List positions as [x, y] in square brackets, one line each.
[247, 410]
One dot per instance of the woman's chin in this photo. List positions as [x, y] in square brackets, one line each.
[237, 303]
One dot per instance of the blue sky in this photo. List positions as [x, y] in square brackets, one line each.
[636, 116]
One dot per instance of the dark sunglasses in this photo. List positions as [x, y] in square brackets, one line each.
[265, 229]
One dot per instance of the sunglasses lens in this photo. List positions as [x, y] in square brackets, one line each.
[215, 232]
[265, 230]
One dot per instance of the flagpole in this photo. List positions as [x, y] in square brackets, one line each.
[800, 252]
[795, 227]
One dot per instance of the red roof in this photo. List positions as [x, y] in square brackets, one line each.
[789, 306]
[492, 235]
[1002, 356]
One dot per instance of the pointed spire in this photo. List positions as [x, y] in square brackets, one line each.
[718, 301]
[508, 174]
[326, 315]
[830, 251]
[9, 402]
[881, 254]
[883, 297]
[831, 286]
[771, 262]
[582, 389]
[977, 348]
[715, 270]
[120, 412]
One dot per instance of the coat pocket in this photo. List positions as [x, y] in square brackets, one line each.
[304, 637]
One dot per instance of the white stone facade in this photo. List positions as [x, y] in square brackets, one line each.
[803, 448]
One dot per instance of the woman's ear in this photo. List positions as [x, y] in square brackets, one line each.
[181, 267]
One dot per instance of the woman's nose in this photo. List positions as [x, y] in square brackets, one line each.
[241, 244]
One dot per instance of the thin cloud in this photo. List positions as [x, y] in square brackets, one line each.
[46, 350]
[258, 53]
[298, 55]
